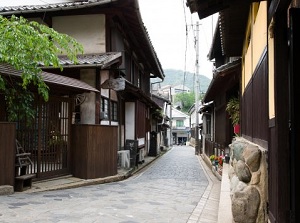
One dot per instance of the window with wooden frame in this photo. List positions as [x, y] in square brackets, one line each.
[113, 111]
[104, 106]
[109, 107]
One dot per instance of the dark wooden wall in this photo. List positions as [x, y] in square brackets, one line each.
[7, 153]
[94, 151]
[282, 198]
[255, 121]
[295, 111]
[221, 120]
[141, 124]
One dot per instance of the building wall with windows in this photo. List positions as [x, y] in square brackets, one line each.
[180, 126]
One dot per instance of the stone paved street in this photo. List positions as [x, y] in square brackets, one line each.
[166, 191]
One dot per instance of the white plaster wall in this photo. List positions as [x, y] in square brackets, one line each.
[88, 108]
[104, 77]
[187, 122]
[147, 146]
[89, 30]
[130, 120]
[122, 129]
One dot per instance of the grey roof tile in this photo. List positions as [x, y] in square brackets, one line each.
[50, 78]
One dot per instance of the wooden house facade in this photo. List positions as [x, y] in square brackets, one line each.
[264, 35]
[118, 63]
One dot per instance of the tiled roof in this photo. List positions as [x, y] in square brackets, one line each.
[95, 60]
[50, 78]
[50, 7]
[227, 66]
[223, 77]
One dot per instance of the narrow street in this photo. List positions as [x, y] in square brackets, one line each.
[167, 191]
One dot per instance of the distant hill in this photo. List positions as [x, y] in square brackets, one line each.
[178, 77]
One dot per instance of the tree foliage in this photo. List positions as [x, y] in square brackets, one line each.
[186, 100]
[26, 45]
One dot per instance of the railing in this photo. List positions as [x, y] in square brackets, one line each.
[213, 148]
[209, 147]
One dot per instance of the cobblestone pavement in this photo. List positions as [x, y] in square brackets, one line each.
[167, 191]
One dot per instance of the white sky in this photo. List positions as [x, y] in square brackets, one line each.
[166, 22]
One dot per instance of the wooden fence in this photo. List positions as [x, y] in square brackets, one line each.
[7, 153]
[94, 151]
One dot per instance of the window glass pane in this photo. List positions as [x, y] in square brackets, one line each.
[179, 123]
[114, 111]
[104, 105]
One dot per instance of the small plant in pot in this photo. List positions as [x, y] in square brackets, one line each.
[233, 109]
[212, 158]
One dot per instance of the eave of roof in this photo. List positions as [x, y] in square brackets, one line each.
[132, 15]
[131, 92]
[205, 8]
[221, 78]
[22, 9]
[103, 60]
[216, 47]
[233, 15]
[161, 98]
[50, 78]
[206, 107]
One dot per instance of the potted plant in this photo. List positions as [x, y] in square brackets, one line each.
[212, 159]
[233, 109]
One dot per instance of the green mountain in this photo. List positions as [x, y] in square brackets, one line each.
[178, 77]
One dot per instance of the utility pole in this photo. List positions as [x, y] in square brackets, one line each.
[171, 118]
[197, 150]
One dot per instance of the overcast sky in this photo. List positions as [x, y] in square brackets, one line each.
[166, 22]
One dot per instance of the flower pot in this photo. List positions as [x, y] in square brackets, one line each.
[236, 129]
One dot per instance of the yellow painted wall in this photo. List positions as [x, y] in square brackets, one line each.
[255, 41]
[260, 33]
[271, 72]
[248, 69]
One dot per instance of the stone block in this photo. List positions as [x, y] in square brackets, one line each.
[6, 190]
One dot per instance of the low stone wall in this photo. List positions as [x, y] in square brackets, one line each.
[248, 182]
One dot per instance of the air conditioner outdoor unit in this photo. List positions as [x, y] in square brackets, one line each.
[124, 159]
[142, 155]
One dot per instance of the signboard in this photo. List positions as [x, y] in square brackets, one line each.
[117, 84]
